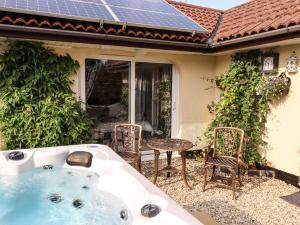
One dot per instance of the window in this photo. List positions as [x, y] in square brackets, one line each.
[108, 97]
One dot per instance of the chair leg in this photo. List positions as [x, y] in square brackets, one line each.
[233, 175]
[139, 165]
[239, 177]
[205, 177]
[213, 175]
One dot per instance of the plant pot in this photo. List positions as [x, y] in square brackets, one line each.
[259, 166]
[252, 166]
[289, 82]
[287, 89]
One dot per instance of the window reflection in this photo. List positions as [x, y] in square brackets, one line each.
[153, 98]
[107, 94]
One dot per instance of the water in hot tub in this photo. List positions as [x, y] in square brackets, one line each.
[58, 196]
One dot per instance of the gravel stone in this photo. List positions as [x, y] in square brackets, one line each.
[259, 201]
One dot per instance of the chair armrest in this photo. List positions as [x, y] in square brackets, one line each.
[207, 151]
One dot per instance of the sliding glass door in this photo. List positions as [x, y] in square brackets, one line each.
[109, 99]
[107, 95]
[153, 86]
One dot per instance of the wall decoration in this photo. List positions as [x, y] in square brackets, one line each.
[292, 63]
[270, 62]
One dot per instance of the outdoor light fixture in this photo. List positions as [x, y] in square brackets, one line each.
[292, 63]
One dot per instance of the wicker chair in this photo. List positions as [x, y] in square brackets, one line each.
[227, 153]
[128, 143]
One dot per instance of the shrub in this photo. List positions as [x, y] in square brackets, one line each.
[239, 105]
[38, 107]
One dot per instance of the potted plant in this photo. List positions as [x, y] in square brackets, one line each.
[274, 86]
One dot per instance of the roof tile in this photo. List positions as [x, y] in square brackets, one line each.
[258, 16]
[74, 25]
[253, 17]
[206, 17]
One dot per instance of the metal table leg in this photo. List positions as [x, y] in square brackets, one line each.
[183, 172]
[169, 161]
[156, 155]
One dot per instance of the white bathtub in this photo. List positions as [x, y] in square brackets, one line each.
[116, 177]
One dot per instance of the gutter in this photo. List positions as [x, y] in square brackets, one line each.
[106, 37]
[267, 34]
[18, 31]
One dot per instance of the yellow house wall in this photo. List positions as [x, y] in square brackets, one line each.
[193, 115]
[283, 126]
[194, 94]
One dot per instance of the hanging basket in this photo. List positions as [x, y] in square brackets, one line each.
[274, 86]
[288, 83]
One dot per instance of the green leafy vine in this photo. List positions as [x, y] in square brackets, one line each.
[245, 102]
[38, 108]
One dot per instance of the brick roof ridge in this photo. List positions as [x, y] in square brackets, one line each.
[238, 6]
[194, 6]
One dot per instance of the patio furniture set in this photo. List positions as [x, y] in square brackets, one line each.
[226, 152]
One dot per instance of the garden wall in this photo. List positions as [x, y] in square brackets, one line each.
[283, 126]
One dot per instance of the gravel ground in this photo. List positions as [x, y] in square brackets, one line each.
[260, 201]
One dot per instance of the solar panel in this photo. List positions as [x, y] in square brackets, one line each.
[152, 5]
[156, 14]
[154, 19]
[84, 10]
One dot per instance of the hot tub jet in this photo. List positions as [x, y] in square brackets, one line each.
[55, 198]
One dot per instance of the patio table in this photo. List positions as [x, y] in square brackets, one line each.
[170, 145]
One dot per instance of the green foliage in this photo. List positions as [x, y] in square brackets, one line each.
[274, 86]
[240, 106]
[38, 108]
[164, 96]
[211, 107]
[125, 95]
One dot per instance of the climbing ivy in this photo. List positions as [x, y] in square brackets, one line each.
[38, 108]
[240, 105]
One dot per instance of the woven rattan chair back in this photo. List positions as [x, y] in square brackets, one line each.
[227, 153]
[128, 138]
[228, 141]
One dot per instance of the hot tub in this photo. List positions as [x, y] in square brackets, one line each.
[41, 188]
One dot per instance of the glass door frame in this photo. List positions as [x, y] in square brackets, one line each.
[175, 86]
